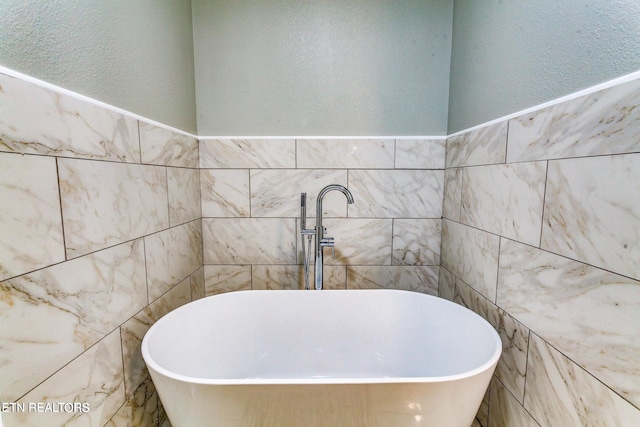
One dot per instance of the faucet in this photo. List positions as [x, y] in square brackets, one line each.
[321, 240]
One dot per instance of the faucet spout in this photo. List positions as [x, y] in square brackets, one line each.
[323, 192]
[321, 240]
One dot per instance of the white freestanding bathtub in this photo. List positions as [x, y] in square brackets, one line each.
[368, 358]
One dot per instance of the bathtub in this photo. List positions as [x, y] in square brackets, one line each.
[348, 358]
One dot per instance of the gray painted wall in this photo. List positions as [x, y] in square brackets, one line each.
[136, 55]
[511, 55]
[284, 67]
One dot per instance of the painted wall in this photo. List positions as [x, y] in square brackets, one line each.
[321, 75]
[541, 235]
[322, 68]
[133, 55]
[511, 55]
[101, 235]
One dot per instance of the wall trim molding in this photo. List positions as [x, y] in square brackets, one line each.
[439, 137]
[605, 85]
[16, 74]
[611, 83]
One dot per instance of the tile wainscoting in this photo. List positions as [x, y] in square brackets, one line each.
[100, 226]
[390, 236]
[541, 235]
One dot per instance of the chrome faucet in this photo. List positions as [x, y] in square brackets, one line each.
[321, 240]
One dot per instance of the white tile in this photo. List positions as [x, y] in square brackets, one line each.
[161, 146]
[416, 241]
[184, 195]
[452, 203]
[559, 393]
[605, 122]
[592, 211]
[505, 410]
[30, 225]
[505, 199]
[446, 284]
[278, 277]
[226, 278]
[420, 153]
[472, 255]
[247, 153]
[106, 203]
[249, 240]
[197, 284]
[465, 295]
[40, 121]
[410, 278]
[140, 409]
[482, 416]
[225, 192]
[51, 315]
[396, 193]
[359, 241]
[133, 330]
[345, 153]
[171, 256]
[484, 146]
[95, 378]
[577, 308]
[276, 193]
[334, 277]
[512, 366]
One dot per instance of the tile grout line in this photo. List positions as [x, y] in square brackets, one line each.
[64, 239]
[544, 203]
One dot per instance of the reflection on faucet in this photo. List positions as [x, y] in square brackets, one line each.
[321, 240]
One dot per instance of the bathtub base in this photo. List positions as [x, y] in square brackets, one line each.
[441, 404]
[373, 358]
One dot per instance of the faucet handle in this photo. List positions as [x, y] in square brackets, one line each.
[327, 241]
[330, 242]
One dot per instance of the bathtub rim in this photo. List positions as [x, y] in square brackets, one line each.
[489, 365]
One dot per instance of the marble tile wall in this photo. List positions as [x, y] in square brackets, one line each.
[390, 237]
[100, 235]
[540, 235]
[109, 222]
